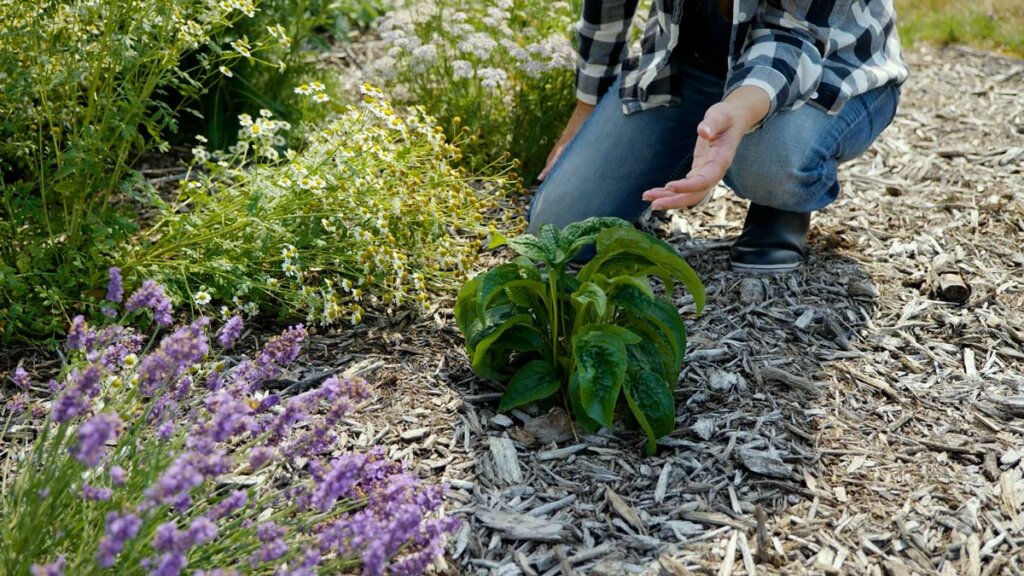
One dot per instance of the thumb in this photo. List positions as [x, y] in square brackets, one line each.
[716, 121]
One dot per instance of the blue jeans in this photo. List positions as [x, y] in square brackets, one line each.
[789, 163]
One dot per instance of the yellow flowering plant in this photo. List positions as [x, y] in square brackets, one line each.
[372, 211]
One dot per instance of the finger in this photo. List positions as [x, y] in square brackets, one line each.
[693, 183]
[678, 201]
[552, 158]
[661, 198]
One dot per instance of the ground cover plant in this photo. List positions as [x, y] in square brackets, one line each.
[157, 455]
[503, 70]
[372, 210]
[81, 101]
[599, 340]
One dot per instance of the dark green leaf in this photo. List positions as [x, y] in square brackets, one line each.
[586, 422]
[615, 242]
[484, 358]
[659, 312]
[502, 277]
[591, 296]
[579, 234]
[651, 403]
[535, 381]
[537, 249]
[601, 366]
[465, 303]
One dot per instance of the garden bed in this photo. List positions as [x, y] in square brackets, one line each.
[836, 420]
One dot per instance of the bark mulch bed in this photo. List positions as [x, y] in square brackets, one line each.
[856, 417]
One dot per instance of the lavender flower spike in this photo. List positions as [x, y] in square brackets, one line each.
[55, 568]
[78, 394]
[93, 437]
[115, 287]
[151, 296]
[21, 378]
[230, 332]
[120, 529]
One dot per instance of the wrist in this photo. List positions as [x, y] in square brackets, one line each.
[750, 105]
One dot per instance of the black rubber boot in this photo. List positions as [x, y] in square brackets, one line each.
[772, 241]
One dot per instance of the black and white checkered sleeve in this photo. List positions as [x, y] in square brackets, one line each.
[783, 56]
[602, 34]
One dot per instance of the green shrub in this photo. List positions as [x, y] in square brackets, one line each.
[503, 69]
[370, 211]
[599, 340]
[151, 461]
[80, 102]
[312, 28]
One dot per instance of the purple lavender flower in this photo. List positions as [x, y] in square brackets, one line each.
[259, 456]
[167, 537]
[117, 351]
[182, 349]
[229, 504]
[120, 529]
[200, 531]
[339, 480]
[213, 380]
[174, 484]
[78, 394]
[230, 332]
[79, 335]
[94, 494]
[280, 351]
[165, 430]
[117, 476]
[18, 403]
[271, 536]
[151, 296]
[115, 287]
[21, 378]
[171, 564]
[93, 437]
[55, 568]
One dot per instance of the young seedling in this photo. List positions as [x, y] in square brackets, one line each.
[600, 336]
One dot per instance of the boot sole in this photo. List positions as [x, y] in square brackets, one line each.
[765, 268]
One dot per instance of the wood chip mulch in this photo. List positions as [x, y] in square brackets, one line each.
[861, 416]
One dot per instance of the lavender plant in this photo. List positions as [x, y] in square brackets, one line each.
[371, 211]
[503, 70]
[154, 459]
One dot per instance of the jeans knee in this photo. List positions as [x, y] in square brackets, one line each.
[784, 173]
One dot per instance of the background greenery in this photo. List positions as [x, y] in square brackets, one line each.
[990, 24]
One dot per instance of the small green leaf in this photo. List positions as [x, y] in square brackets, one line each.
[497, 240]
[601, 367]
[536, 249]
[498, 279]
[590, 295]
[579, 234]
[651, 403]
[535, 381]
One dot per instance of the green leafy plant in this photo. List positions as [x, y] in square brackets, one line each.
[601, 337]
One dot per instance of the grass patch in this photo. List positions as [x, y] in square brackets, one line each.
[992, 24]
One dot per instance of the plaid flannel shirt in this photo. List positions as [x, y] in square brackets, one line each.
[798, 51]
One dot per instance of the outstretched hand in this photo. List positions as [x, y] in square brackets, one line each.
[718, 137]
